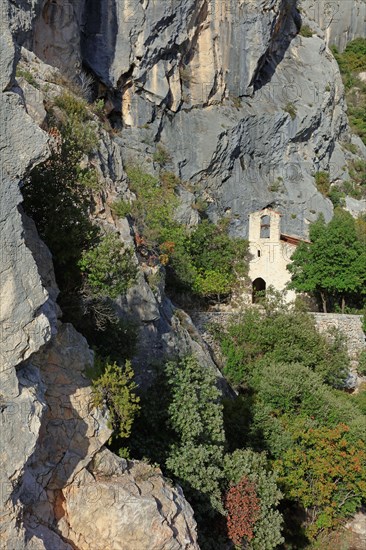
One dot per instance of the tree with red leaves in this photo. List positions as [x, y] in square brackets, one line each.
[243, 508]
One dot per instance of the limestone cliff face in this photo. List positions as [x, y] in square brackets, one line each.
[248, 109]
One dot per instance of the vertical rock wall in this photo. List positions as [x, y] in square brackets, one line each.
[50, 430]
[248, 109]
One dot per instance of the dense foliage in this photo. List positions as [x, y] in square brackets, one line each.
[59, 205]
[182, 428]
[313, 433]
[204, 261]
[281, 335]
[333, 266]
[325, 472]
[195, 415]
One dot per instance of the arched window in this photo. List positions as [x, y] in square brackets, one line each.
[258, 290]
[265, 227]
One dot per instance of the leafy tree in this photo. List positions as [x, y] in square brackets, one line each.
[253, 467]
[59, 206]
[109, 267]
[195, 415]
[57, 195]
[216, 258]
[333, 266]
[325, 473]
[115, 389]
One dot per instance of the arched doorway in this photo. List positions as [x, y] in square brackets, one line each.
[258, 286]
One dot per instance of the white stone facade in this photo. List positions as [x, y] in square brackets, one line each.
[270, 252]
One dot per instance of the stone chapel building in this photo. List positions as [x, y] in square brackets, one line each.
[270, 252]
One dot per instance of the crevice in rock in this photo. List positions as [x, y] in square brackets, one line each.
[285, 30]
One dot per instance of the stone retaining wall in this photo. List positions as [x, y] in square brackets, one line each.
[349, 325]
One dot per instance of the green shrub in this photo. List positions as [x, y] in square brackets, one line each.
[276, 186]
[88, 177]
[73, 106]
[350, 147]
[109, 267]
[200, 205]
[98, 108]
[27, 75]
[169, 180]
[161, 155]
[357, 170]
[336, 196]
[121, 208]
[59, 205]
[115, 389]
[195, 415]
[77, 129]
[306, 31]
[290, 108]
[285, 336]
[351, 62]
[322, 183]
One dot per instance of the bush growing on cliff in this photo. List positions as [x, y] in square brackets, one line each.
[115, 389]
[205, 261]
[109, 267]
[322, 183]
[77, 128]
[59, 206]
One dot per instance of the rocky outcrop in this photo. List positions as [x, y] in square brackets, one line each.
[65, 490]
[74, 491]
[130, 504]
[341, 21]
[27, 310]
